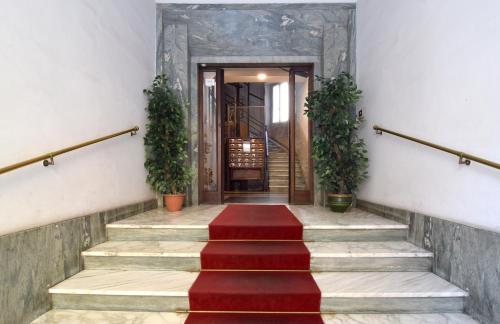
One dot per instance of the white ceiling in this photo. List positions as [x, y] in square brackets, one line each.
[252, 1]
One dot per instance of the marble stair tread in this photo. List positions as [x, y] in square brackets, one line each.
[197, 217]
[322, 218]
[312, 217]
[127, 283]
[394, 249]
[331, 284]
[178, 249]
[70, 316]
[123, 317]
[384, 285]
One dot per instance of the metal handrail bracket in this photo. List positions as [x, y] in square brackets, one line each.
[48, 158]
[463, 158]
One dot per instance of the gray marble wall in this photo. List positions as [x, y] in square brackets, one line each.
[34, 260]
[322, 34]
[467, 257]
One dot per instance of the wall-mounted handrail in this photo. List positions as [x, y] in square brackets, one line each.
[48, 158]
[463, 158]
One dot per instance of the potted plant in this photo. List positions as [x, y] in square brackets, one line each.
[166, 144]
[340, 156]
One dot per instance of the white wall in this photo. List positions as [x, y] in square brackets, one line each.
[72, 71]
[431, 69]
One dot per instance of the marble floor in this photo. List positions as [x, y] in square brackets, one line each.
[114, 317]
[312, 217]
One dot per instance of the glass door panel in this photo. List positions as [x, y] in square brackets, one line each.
[300, 132]
[209, 135]
[210, 173]
[302, 152]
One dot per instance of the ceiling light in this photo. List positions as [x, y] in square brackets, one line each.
[261, 76]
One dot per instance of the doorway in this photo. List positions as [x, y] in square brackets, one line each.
[255, 141]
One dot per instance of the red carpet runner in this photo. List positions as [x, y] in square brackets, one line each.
[255, 269]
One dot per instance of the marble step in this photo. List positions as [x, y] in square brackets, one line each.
[325, 256]
[278, 188]
[341, 292]
[284, 182]
[63, 316]
[278, 176]
[320, 224]
[278, 182]
[278, 169]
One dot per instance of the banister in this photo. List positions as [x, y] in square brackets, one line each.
[463, 158]
[48, 158]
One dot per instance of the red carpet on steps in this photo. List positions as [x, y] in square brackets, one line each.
[264, 291]
[255, 255]
[255, 222]
[257, 263]
[207, 318]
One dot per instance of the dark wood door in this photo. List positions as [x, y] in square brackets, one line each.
[301, 189]
[211, 146]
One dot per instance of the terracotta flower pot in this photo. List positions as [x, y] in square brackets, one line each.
[174, 202]
[339, 203]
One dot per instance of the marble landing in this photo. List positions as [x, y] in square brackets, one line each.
[198, 217]
[116, 317]
[320, 224]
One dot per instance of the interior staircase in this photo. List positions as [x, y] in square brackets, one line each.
[366, 270]
[278, 169]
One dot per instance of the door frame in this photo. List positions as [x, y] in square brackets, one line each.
[218, 196]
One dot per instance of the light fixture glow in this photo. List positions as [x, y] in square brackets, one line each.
[261, 76]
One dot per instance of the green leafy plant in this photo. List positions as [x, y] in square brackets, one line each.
[165, 140]
[340, 156]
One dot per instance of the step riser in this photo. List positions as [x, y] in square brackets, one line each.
[370, 264]
[318, 235]
[393, 305]
[117, 303]
[157, 234]
[328, 304]
[317, 264]
[354, 235]
[142, 263]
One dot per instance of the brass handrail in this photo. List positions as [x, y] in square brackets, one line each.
[463, 158]
[48, 158]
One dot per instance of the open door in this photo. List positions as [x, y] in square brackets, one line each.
[211, 146]
[300, 137]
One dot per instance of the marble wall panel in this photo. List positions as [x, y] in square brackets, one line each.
[34, 260]
[466, 256]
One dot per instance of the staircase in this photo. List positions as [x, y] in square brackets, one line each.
[366, 270]
[278, 169]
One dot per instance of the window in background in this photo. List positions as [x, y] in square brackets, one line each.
[280, 102]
